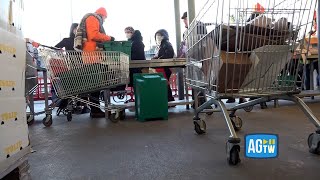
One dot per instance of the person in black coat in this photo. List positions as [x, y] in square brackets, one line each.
[165, 52]
[68, 43]
[137, 49]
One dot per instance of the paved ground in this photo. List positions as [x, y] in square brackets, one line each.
[97, 149]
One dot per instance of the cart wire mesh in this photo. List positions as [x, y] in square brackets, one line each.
[73, 72]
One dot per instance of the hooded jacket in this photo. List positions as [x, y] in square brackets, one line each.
[165, 49]
[137, 53]
[137, 48]
[93, 31]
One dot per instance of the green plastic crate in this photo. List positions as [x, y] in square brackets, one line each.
[121, 46]
[286, 80]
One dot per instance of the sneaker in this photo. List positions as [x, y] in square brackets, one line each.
[242, 100]
[97, 114]
[231, 100]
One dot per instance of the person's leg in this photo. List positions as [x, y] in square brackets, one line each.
[95, 112]
[168, 73]
[85, 106]
[170, 97]
[316, 67]
[193, 96]
[307, 77]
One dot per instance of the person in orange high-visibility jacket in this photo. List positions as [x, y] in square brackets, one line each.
[93, 30]
[93, 34]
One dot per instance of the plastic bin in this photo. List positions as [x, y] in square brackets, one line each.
[121, 46]
[151, 100]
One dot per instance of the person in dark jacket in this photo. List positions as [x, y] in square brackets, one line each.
[165, 52]
[67, 44]
[137, 49]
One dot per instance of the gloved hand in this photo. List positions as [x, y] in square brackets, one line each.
[112, 38]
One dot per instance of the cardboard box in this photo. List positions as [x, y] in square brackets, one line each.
[13, 51]
[11, 14]
[12, 112]
[13, 126]
[231, 70]
[13, 61]
[268, 61]
[13, 140]
[223, 71]
[12, 83]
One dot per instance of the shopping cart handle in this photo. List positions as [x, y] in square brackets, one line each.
[50, 47]
[41, 69]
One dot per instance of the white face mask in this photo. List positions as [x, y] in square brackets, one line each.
[159, 40]
[128, 35]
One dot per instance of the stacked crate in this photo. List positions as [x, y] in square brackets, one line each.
[14, 141]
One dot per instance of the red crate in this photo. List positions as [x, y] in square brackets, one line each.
[39, 92]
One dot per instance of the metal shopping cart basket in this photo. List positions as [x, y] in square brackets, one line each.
[242, 54]
[76, 74]
[31, 84]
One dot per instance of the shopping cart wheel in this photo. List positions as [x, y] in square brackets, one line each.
[121, 95]
[248, 109]
[114, 117]
[69, 116]
[236, 122]
[30, 119]
[233, 151]
[47, 121]
[200, 126]
[314, 143]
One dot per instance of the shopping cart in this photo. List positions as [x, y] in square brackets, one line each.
[242, 54]
[76, 74]
[31, 85]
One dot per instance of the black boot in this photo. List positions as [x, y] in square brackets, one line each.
[85, 110]
[231, 100]
[242, 100]
[263, 105]
[96, 113]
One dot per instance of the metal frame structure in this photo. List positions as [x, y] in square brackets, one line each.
[31, 86]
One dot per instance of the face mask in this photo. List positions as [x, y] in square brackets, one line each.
[128, 35]
[159, 40]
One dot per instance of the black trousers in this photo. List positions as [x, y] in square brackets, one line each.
[95, 99]
[168, 74]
